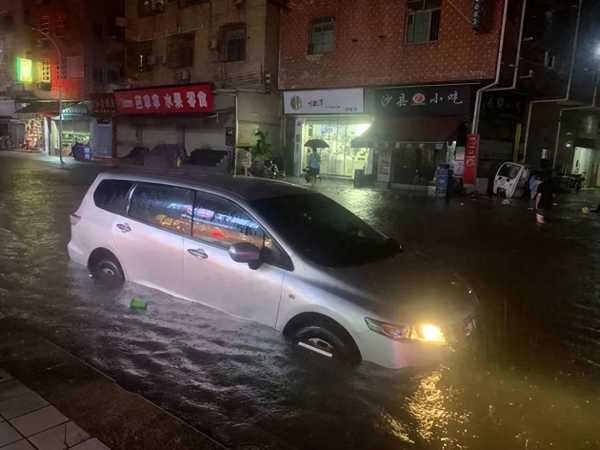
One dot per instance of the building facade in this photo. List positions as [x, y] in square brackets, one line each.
[232, 45]
[57, 49]
[390, 86]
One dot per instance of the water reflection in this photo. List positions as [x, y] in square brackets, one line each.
[242, 384]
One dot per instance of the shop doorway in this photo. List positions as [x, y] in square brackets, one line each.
[415, 164]
[340, 159]
[586, 162]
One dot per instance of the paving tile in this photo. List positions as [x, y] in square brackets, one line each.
[19, 406]
[92, 444]
[59, 437]
[38, 421]
[75, 435]
[11, 389]
[19, 445]
[8, 434]
[5, 376]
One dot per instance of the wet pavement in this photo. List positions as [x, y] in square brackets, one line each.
[533, 384]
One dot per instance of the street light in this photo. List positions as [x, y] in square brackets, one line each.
[60, 61]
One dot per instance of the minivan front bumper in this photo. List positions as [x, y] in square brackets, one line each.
[394, 354]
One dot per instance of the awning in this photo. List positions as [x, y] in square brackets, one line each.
[414, 129]
[44, 107]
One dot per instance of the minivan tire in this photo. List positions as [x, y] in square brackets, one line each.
[107, 269]
[326, 340]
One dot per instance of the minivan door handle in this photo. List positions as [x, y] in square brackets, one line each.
[197, 252]
[123, 227]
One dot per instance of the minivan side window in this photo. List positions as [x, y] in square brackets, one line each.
[112, 195]
[221, 222]
[167, 207]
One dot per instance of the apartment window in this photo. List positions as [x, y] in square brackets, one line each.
[549, 59]
[139, 57]
[180, 50]
[112, 76]
[322, 36]
[98, 75]
[423, 23]
[233, 46]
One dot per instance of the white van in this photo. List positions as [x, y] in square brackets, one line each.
[278, 254]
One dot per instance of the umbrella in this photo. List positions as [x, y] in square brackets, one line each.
[316, 143]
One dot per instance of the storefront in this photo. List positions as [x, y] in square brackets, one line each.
[415, 129]
[188, 115]
[335, 116]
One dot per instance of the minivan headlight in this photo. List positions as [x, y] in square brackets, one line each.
[425, 332]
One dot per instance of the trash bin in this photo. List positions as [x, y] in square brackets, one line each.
[443, 175]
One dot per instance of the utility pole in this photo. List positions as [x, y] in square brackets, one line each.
[60, 62]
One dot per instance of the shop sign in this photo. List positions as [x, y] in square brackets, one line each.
[332, 101]
[193, 98]
[471, 150]
[424, 101]
[103, 103]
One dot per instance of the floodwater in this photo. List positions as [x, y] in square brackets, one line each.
[533, 384]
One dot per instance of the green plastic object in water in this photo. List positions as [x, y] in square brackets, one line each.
[138, 303]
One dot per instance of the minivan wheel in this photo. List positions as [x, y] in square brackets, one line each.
[107, 270]
[325, 341]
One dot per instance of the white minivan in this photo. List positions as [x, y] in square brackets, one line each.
[277, 254]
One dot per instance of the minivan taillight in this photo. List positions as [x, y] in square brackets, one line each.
[75, 219]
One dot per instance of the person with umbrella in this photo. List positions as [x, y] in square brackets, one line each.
[314, 159]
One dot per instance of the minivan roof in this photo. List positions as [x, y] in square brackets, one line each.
[245, 188]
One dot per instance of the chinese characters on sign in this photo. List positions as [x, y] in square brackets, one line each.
[332, 101]
[103, 103]
[194, 98]
[470, 171]
[424, 101]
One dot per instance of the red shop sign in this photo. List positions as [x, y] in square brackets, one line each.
[470, 172]
[192, 98]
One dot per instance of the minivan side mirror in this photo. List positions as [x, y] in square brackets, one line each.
[245, 253]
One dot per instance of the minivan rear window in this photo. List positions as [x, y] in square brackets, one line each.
[111, 195]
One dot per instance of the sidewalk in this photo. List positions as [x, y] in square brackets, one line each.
[27, 422]
[51, 400]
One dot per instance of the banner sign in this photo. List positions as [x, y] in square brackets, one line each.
[424, 101]
[103, 103]
[186, 99]
[331, 101]
[471, 151]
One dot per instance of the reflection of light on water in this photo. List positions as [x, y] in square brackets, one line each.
[396, 428]
[431, 407]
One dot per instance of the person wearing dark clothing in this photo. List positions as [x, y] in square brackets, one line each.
[543, 199]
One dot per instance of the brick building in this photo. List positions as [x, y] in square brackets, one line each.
[413, 67]
[231, 45]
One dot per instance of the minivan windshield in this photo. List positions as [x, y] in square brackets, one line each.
[324, 232]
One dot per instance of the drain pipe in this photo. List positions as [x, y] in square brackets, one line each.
[568, 90]
[481, 90]
[518, 57]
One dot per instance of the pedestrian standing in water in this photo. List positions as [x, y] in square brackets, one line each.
[544, 199]
[314, 166]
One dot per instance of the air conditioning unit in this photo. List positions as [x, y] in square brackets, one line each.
[183, 75]
[213, 44]
[158, 6]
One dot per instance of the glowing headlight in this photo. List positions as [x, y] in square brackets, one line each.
[425, 332]
[430, 333]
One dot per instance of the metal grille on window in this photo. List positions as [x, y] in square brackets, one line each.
[46, 76]
[234, 43]
[423, 22]
[322, 36]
